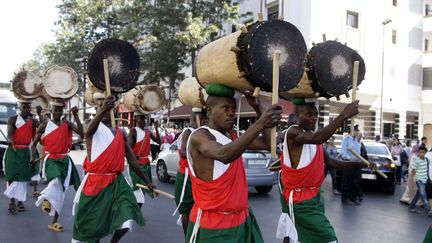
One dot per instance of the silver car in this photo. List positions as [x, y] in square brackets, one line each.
[256, 164]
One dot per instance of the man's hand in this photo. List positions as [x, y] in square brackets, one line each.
[351, 110]
[253, 101]
[74, 111]
[151, 188]
[38, 109]
[271, 117]
[108, 103]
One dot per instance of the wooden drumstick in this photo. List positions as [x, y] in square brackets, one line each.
[166, 194]
[256, 92]
[366, 162]
[108, 88]
[197, 120]
[354, 91]
[275, 97]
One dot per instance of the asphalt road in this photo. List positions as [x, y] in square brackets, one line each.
[381, 218]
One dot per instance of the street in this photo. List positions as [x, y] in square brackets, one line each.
[381, 218]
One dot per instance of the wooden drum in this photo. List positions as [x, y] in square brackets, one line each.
[27, 85]
[191, 93]
[244, 59]
[60, 82]
[88, 97]
[145, 99]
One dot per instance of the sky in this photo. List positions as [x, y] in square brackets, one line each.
[24, 26]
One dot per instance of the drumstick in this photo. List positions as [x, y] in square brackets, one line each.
[7, 140]
[275, 97]
[198, 122]
[80, 108]
[367, 162]
[108, 88]
[354, 90]
[256, 92]
[166, 194]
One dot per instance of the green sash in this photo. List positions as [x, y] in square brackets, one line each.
[188, 201]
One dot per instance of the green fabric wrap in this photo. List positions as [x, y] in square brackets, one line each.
[101, 215]
[188, 201]
[146, 170]
[58, 168]
[428, 236]
[17, 165]
[220, 90]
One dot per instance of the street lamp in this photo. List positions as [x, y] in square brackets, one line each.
[384, 23]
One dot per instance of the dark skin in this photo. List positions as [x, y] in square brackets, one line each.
[221, 115]
[140, 122]
[103, 115]
[57, 112]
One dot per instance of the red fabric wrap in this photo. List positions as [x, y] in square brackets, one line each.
[224, 201]
[145, 150]
[106, 167]
[183, 163]
[24, 134]
[305, 181]
[58, 142]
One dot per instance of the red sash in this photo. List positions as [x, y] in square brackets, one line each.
[224, 201]
[104, 170]
[305, 181]
[24, 134]
[145, 150]
[58, 142]
[183, 163]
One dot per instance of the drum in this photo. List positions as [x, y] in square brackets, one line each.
[60, 82]
[303, 89]
[145, 99]
[191, 93]
[42, 101]
[27, 85]
[92, 87]
[244, 59]
[88, 97]
[123, 65]
[330, 65]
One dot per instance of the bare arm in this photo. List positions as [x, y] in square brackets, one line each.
[261, 142]
[94, 123]
[37, 138]
[78, 128]
[185, 138]
[338, 164]
[11, 129]
[132, 137]
[323, 134]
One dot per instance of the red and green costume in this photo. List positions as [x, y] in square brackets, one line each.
[105, 200]
[428, 236]
[141, 149]
[58, 169]
[18, 170]
[221, 211]
[303, 217]
[183, 186]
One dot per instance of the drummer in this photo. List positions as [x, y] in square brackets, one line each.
[221, 211]
[183, 190]
[104, 193]
[303, 161]
[139, 141]
[18, 169]
[59, 169]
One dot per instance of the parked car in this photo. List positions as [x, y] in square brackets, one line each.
[381, 156]
[8, 108]
[77, 142]
[256, 164]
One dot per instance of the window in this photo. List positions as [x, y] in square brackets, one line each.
[426, 45]
[273, 12]
[410, 130]
[352, 19]
[394, 36]
[389, 129]
[395, 3]
[428, 10]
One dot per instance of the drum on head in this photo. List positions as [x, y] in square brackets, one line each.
[191, 93]
[245, 60]
[88, 97]
[330, 66]
[60, 82]
[123, 65]
[41, 101]
[26, 85]
[145, 99]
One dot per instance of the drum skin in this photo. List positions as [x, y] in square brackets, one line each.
[123, 65]
[88, 97]
[330, 66]
[191, 93]
[27, 85]
[60, 82]
[145, 99]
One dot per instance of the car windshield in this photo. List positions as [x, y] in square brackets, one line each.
[377, 149]
[6, 111]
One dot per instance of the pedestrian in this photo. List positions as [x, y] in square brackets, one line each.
[154, 145]
[139, 140]
[358, 174]
[331, 150]
[58, 167]
[420, 172]
[411, 188]
[349, 179]
[221, 212]
[105, 203]
[183, 186]
[396, 151]
[303, 218]
[18, 169]
[423, 142]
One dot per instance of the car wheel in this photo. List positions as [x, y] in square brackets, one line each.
[161, 171]
[263, 189]
[391, 189]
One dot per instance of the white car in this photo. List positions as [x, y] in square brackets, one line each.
[256, 164]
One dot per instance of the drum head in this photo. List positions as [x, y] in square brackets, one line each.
[123, 65]
[149, 99]
[262, 39]
[330, 66]
[41, 101]
[26, 85]
[60, 82]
